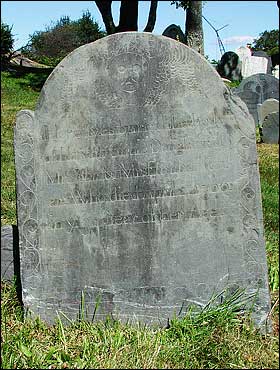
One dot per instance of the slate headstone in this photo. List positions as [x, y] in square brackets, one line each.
[267, 107]
[138, 186]
[7, 258]
[230, 67]
[174, 32]
[270, 129]
[256, 89]
[10, 264]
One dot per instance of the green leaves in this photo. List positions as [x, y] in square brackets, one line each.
[267, 41]
[7, 42]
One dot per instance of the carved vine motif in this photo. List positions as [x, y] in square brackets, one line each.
[27, 208]
[251, 231]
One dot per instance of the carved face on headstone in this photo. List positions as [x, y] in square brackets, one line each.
[127, 72]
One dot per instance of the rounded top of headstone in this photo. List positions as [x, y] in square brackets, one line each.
[173, 31]
[229, 57]
[271, 101]
[131, 68]
[255, 89]
[268, 106]
[229, 66]
[266, 81]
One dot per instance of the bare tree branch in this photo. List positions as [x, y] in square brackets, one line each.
[104, 7]
[152, 16]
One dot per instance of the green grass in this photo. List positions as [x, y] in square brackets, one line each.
[214, 338]
[15, 95]
[269, 173]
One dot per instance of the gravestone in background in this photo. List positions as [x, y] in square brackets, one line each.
[138, 185]
[174, 32]
[250, 64]
[270, 129]
[255, 90]
[229, 66]
[244, 54]
[7, 257]
[267, 107]
[263, 54]
[254, 65]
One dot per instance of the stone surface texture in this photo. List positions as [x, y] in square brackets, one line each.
[138, 185]
[267, 107]
[270, 129]
[256, 89]
[7, 258]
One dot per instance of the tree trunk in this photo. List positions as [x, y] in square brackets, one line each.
[128, 16]
[152, 17]
[193, 26]
[106, 12]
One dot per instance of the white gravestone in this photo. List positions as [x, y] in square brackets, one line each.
[267, 107]
[251, 65]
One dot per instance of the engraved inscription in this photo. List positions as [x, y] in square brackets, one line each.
[137, 185]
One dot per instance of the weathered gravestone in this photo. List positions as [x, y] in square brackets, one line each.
[7, 257]
[255, 65]
[250, 64]
[174, 32]
[263, 54]
[138, 185]
[244, 54]
[230, 67]
[268, 106]
[270, 129]
[256, 89]
[10, 261]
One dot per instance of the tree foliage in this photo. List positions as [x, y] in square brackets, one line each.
[53, 44]
[267, 41]
[7, 42]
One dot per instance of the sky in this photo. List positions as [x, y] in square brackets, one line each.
[243, 20]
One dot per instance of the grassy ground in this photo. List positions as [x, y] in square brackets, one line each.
[216, 338]
[15, 95]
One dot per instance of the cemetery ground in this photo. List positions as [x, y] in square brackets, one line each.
[215, 338]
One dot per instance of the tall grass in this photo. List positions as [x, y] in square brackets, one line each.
[217, 337]
[213, 338]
